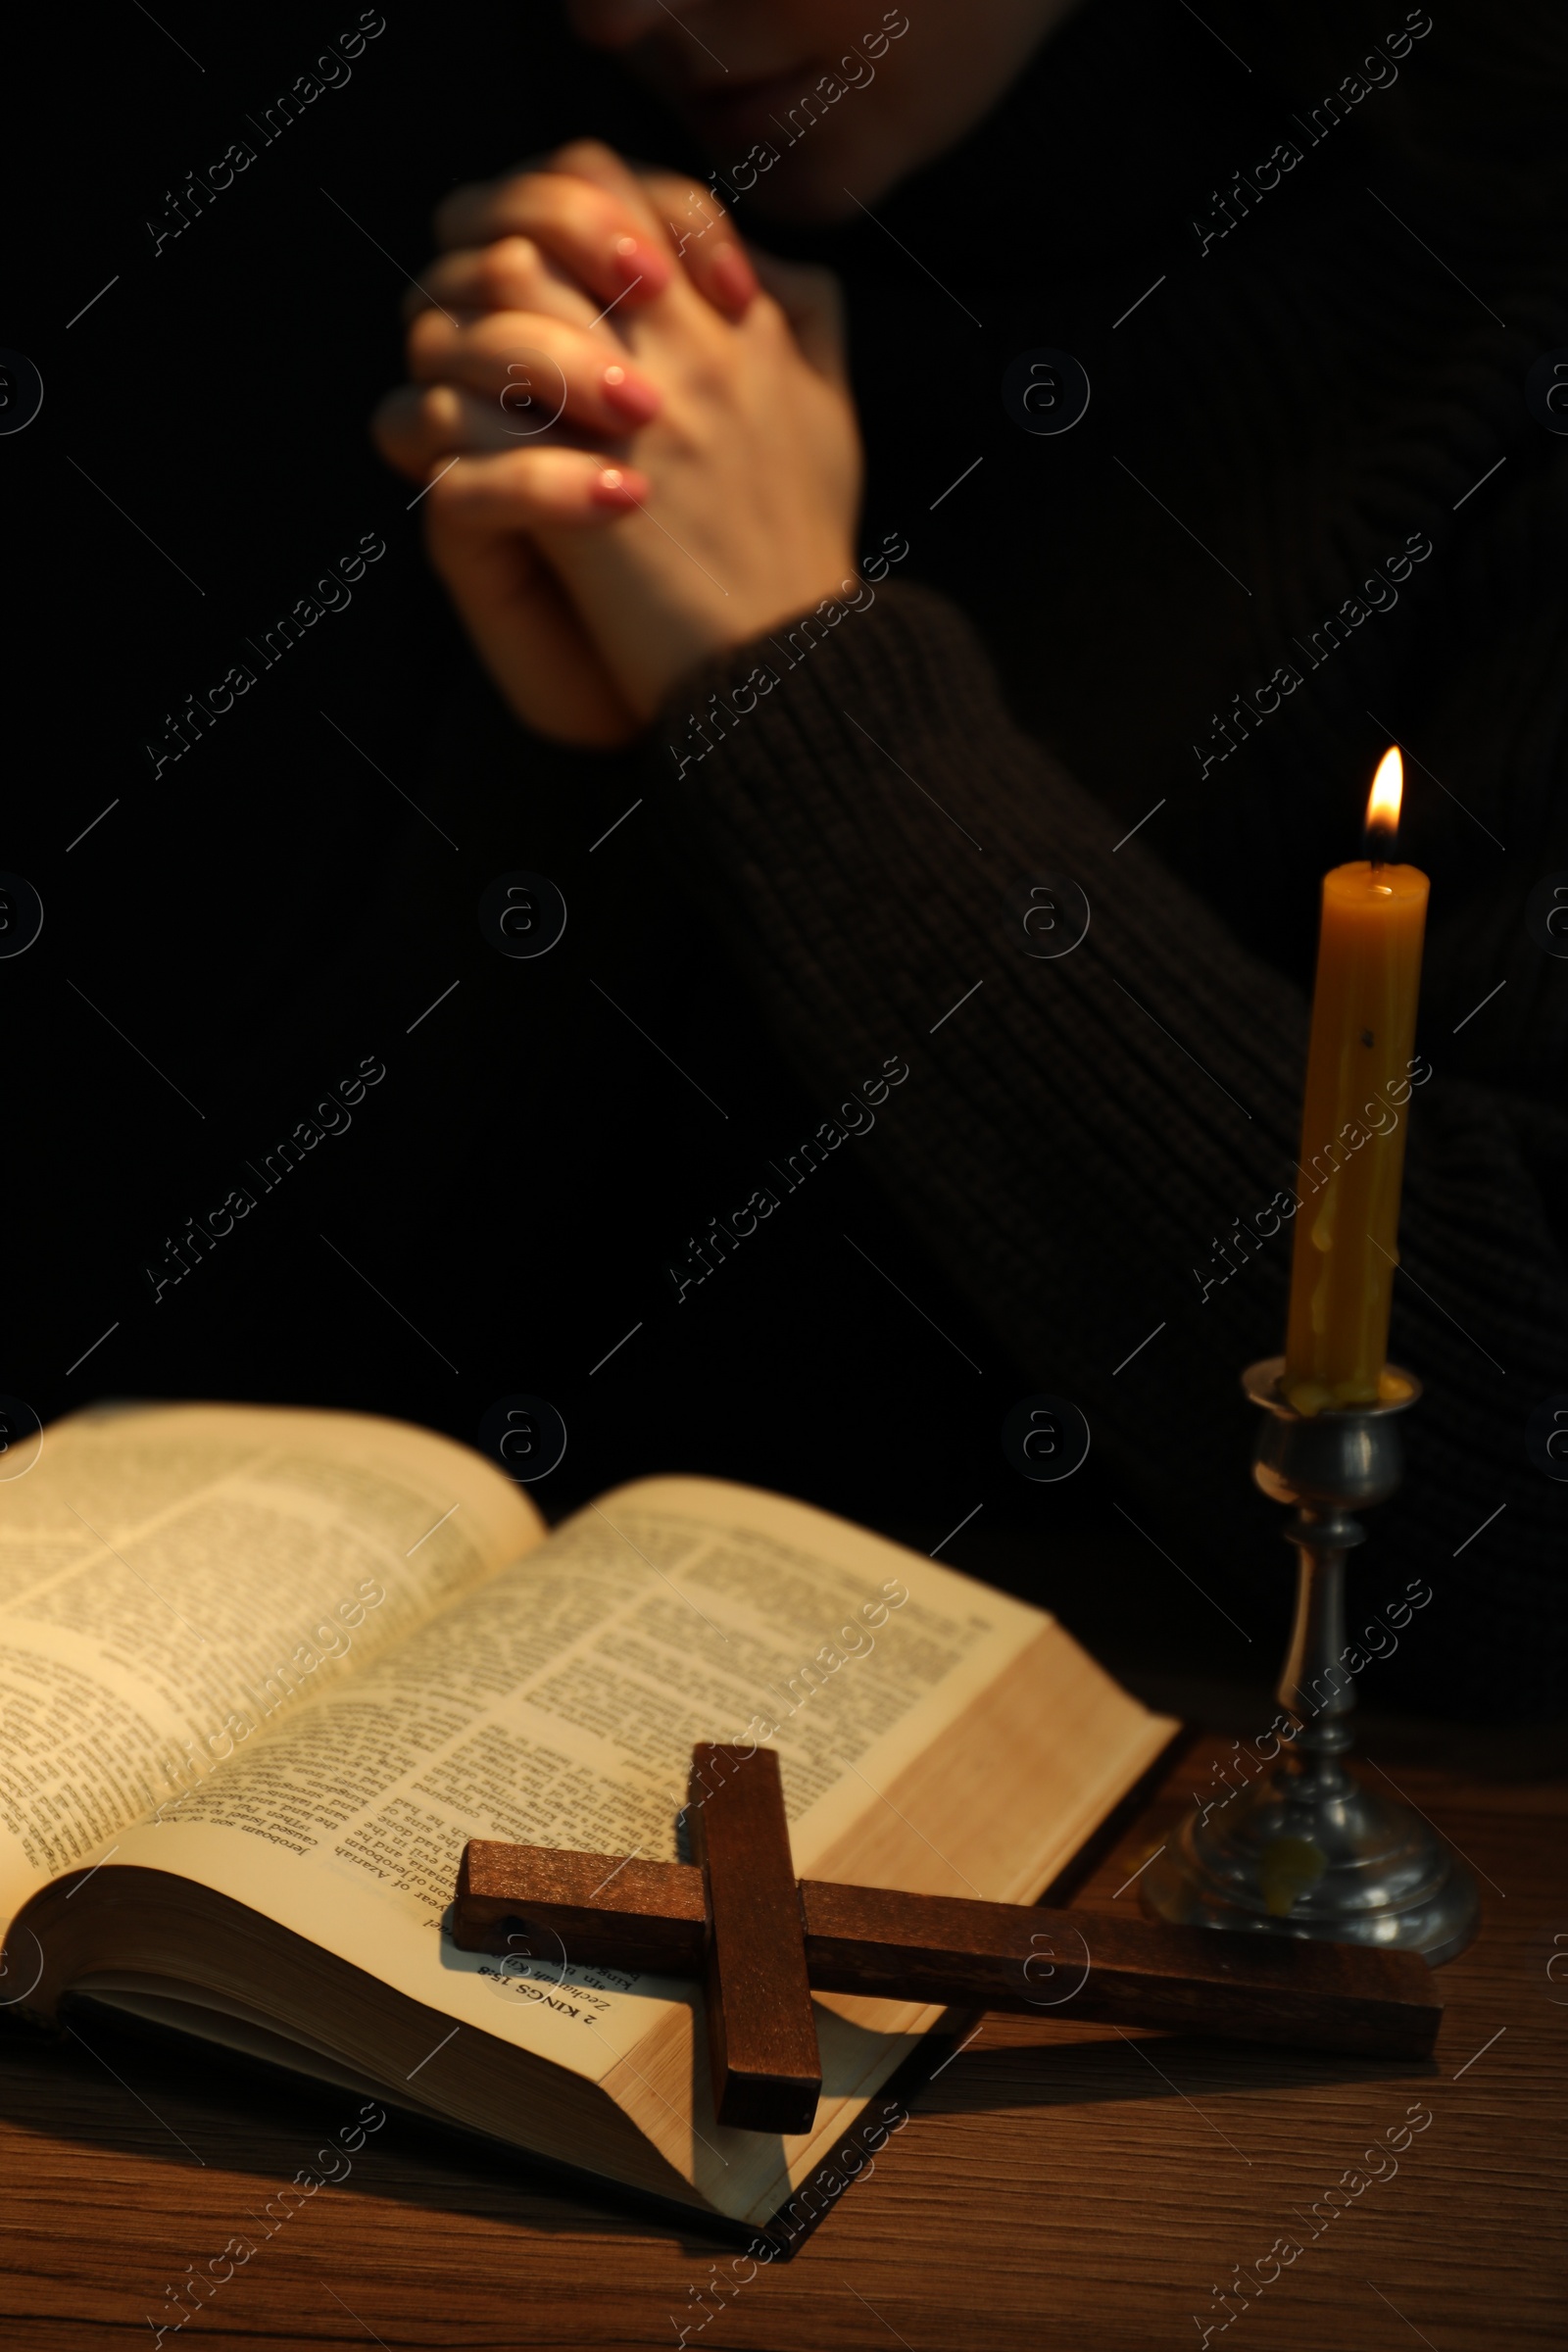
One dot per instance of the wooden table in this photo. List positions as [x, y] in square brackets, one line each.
[1055, 2185]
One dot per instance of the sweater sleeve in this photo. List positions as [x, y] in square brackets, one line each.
[1084, 1131]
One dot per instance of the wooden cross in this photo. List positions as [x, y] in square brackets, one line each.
[760, 1940]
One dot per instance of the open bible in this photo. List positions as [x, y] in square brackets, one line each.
[263, 1672]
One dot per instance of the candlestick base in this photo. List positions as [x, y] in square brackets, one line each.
[1308, 1849]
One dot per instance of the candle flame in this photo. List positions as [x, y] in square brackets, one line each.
[1388, 790]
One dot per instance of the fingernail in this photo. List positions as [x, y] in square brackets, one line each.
[642, 263]
[633, 395]
[733, 276]
[619, 486]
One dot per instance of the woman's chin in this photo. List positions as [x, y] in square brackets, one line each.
[811, 191]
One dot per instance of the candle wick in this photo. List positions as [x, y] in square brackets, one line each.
[1381, 847]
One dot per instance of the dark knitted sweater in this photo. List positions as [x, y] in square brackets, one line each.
[1041, 687]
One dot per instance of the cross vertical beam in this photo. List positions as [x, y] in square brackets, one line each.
[762, 2033]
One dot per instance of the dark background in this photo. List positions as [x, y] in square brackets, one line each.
[236, 934]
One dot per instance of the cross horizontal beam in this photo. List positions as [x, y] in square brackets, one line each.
[971, 1955]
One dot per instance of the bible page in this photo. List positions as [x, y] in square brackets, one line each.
[175, 1581]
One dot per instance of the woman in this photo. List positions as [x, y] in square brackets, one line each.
[1152, 657]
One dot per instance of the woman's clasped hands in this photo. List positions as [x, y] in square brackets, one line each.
[636, 442]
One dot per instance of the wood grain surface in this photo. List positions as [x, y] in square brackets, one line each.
[1055, 2185]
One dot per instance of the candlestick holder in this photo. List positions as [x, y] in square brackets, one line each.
[1309, 1850]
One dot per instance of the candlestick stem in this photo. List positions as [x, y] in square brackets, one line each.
[1308, 1848]
[1317, 1645]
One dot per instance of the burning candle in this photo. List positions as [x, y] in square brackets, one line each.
[1352, 1131]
